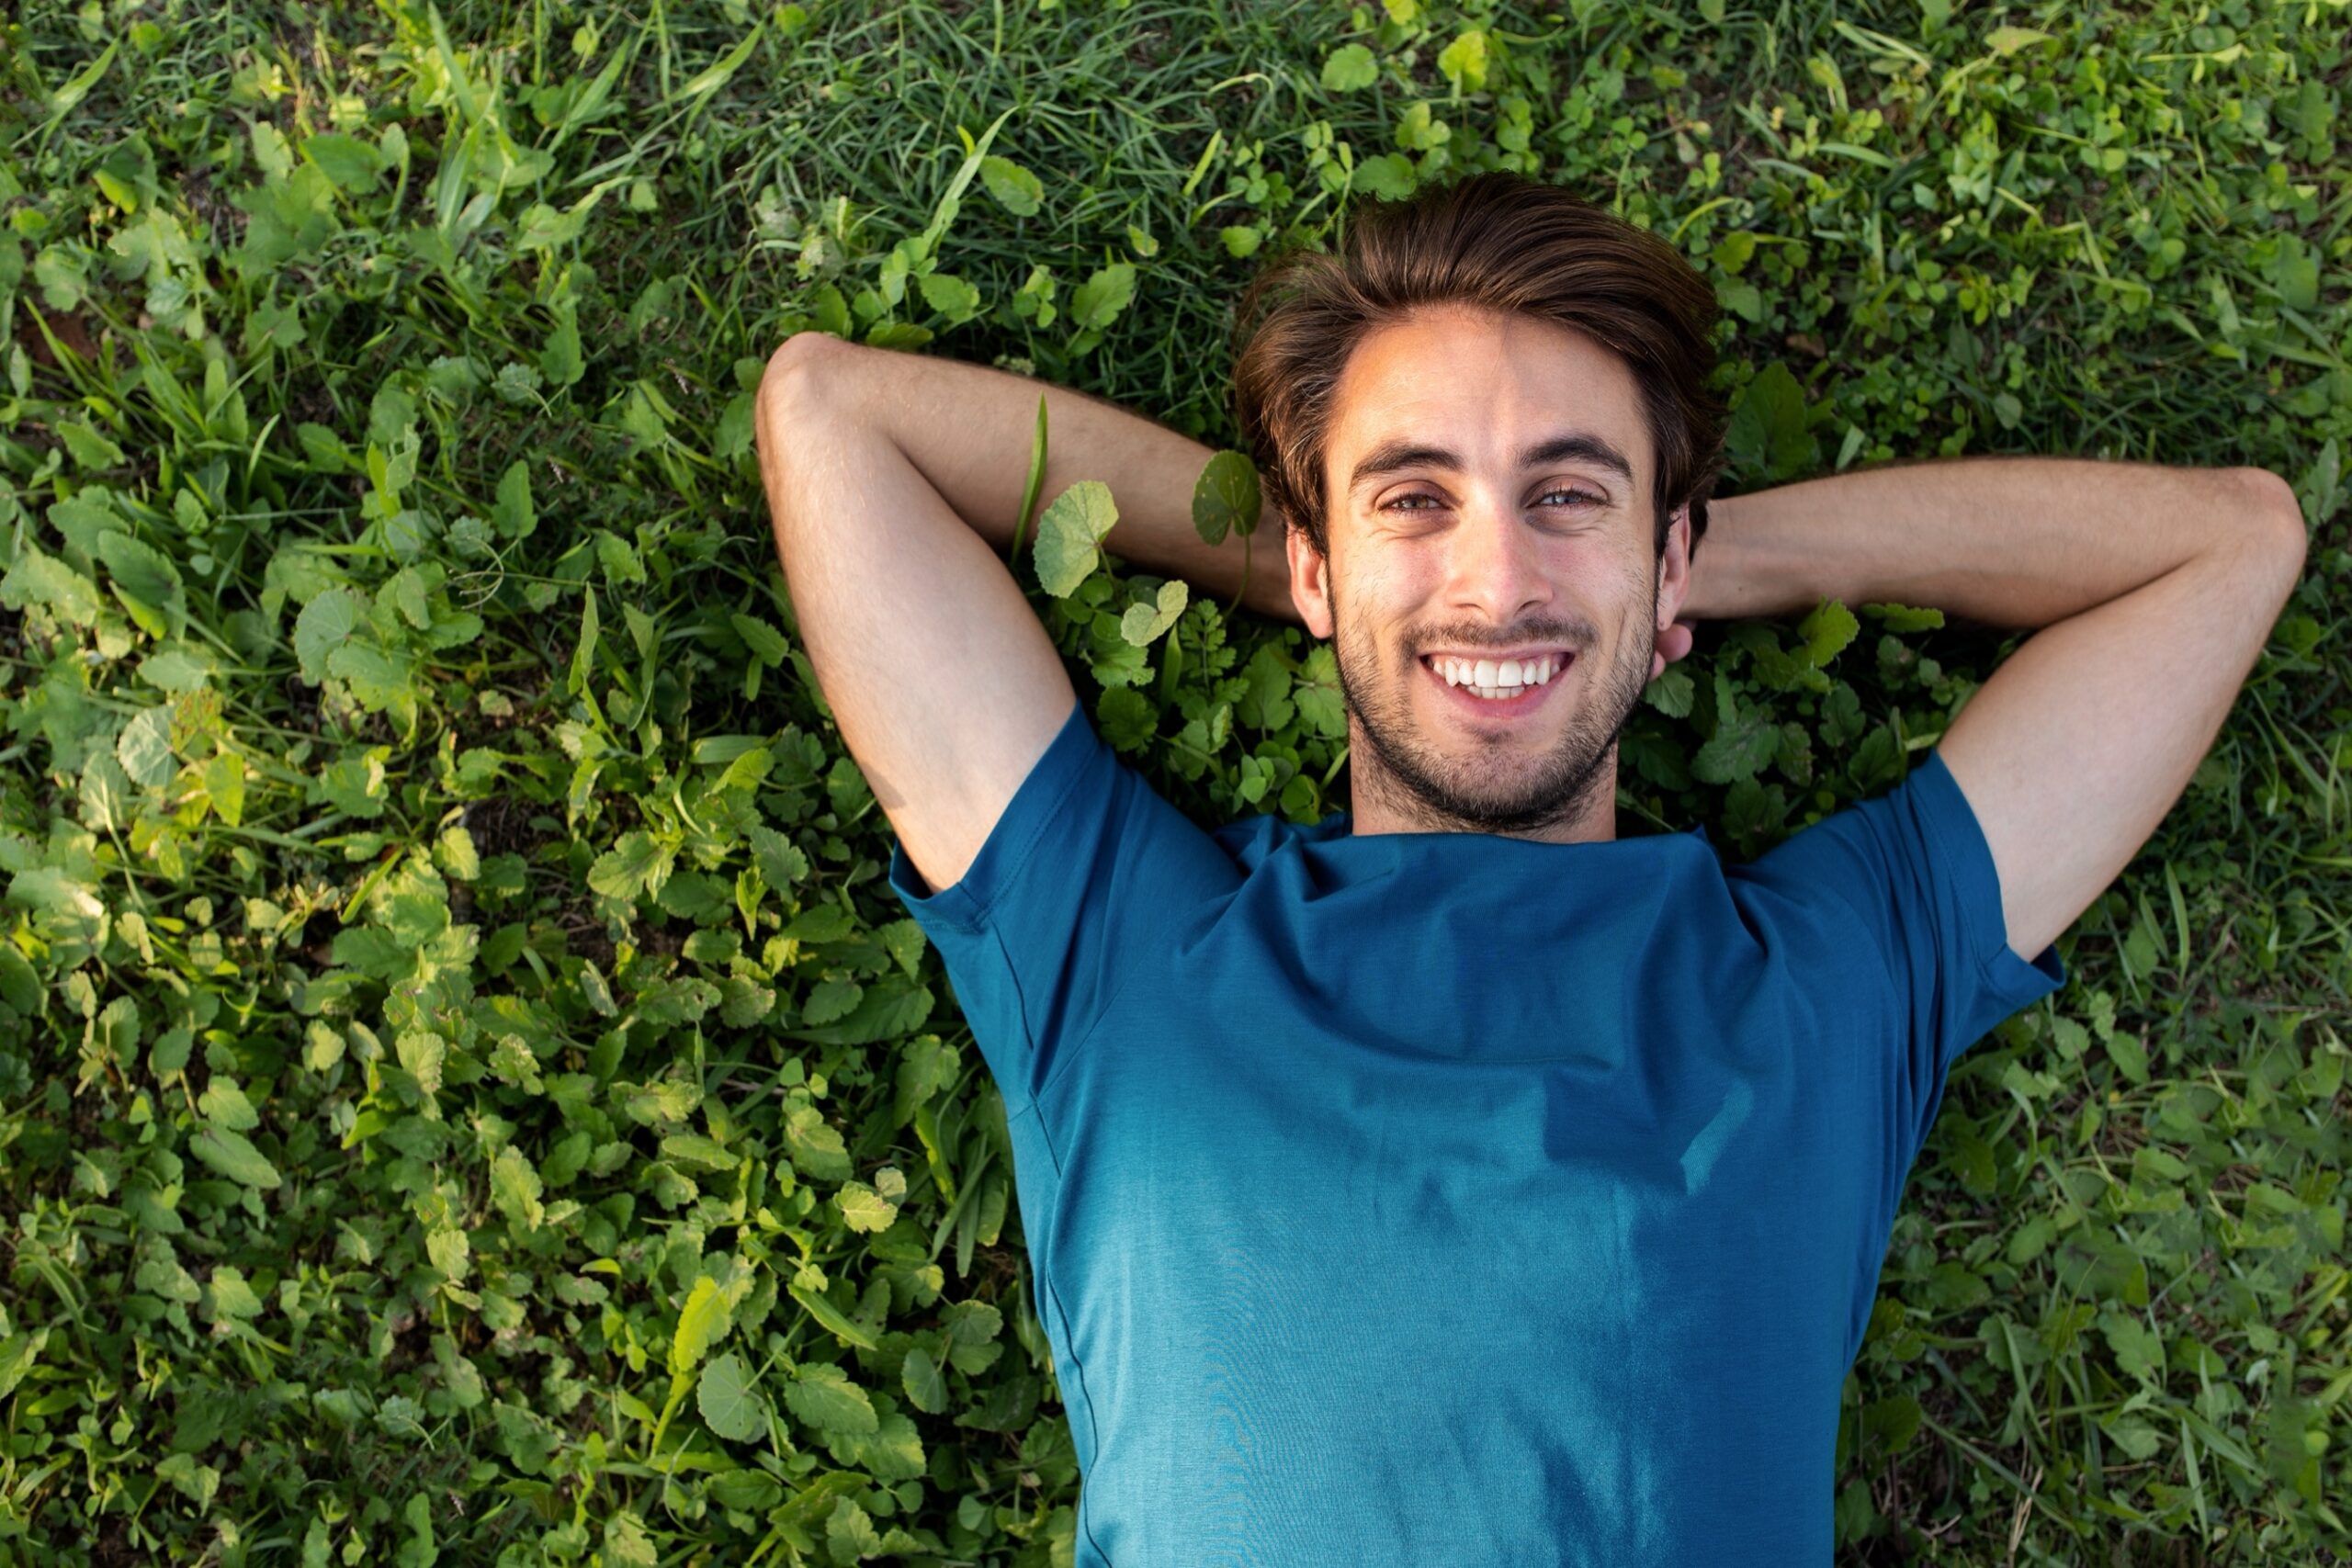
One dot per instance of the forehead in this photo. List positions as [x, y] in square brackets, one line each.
[1485, 384]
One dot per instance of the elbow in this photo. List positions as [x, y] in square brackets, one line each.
[783, 411]
[799, 366]
[2284, 538]
[797, 356]
[2283, 508]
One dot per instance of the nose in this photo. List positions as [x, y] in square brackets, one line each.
[1495, 563]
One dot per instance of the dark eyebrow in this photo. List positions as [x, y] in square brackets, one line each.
[1577, 445]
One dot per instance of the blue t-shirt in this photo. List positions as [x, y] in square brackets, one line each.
[1452, 1197]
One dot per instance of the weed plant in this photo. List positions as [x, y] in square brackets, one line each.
[466, 1092]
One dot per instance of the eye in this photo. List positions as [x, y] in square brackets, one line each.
[1578, 497]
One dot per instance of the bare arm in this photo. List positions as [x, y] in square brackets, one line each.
[968, 428]
[2157, 588]
[888, 478]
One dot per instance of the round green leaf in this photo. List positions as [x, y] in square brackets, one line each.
[144, 748]
[821, 1396]
[633, 865]
[1068, 533]
[1142, 623]
[1464, 60]
[729, 1405]
[950, 296]
[1388, 175]
[926, 1384]
[1227, 498]
[865, 1209]
[348, 161]
[1015, 189]
[1740, 748]
[1102, 296]
[325, 625]
[1350, 66]
[1827, 632]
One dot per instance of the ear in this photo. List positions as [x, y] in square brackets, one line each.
[1310, 587]
[1674, 567]
[1673, 588]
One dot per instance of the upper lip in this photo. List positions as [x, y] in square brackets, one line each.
[1497, 655]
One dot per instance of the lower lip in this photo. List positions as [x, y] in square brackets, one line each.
[1497, 707]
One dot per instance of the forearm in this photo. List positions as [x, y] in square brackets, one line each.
[2014, 542]
[970, 428]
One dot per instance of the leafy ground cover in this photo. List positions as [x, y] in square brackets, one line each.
[465, 1091]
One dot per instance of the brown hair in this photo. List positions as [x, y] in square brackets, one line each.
[1506, 242]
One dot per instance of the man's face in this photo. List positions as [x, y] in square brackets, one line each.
[1487, 482]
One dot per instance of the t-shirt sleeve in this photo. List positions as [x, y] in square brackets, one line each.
[1896, 897]
[1081, 881]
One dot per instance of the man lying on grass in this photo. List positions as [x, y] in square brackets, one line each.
[1452, 1181]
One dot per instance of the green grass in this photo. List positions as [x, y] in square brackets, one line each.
[465, 1091]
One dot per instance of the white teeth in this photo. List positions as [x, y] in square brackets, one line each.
[1489, 678]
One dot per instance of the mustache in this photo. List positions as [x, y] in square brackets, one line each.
[1468, 637]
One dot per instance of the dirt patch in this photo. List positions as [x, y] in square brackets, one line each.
[70, 330]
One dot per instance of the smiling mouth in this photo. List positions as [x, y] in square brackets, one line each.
[1501, 687]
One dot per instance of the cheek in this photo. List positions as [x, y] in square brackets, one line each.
[1397, 588]
[1626, 596]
